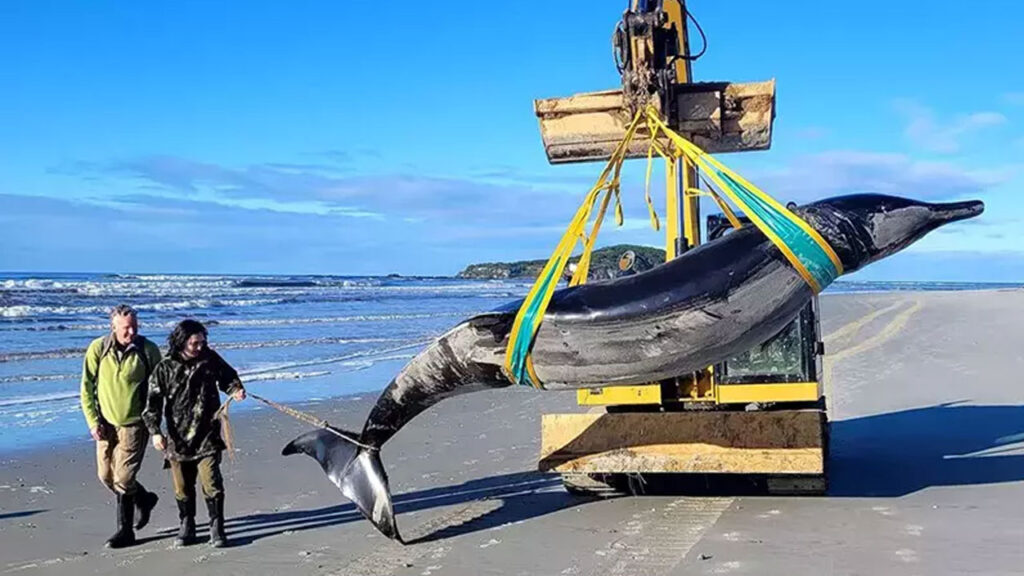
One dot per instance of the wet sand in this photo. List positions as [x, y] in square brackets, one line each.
[927, 469]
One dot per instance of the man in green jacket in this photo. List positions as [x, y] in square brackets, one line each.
[114, 383]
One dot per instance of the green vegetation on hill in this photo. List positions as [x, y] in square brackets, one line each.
[604, 264]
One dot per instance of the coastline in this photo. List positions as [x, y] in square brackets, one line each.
[927, 462]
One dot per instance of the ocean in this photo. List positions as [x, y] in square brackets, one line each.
[292, 338]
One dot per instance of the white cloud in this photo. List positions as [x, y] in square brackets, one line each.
[811, 133]
[1014, 97]
[933, 135]
[841, 172]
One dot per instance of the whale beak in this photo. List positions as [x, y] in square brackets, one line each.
[954, 211]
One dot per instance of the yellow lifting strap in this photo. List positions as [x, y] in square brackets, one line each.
[518, 365]
[802, 246]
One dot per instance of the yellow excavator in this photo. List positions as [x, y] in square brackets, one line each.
[760, 416]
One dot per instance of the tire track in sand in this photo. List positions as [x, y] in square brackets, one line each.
[851, 328]
[894, 327]
[392, 556]
[657, 543]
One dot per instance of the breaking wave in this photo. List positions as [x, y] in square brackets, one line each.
[36, 378]
[285, 375]
[282, 343]
[251, 321]
[39, 399]
[25, 310]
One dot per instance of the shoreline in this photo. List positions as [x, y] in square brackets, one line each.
[238, 414]
[61, 412]
[927, 461]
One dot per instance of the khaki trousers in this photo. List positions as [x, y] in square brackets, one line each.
[207, 469]
[119, 456]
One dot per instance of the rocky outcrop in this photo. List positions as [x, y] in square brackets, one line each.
[604, 264]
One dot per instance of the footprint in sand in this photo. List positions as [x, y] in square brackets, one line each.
[907, 555]
[727, 567]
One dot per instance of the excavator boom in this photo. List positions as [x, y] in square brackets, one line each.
[653, 58]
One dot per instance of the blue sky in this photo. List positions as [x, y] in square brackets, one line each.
[369, 138]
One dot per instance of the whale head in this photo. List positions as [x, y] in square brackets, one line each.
[864, 228]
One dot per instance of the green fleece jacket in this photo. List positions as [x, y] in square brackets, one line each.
[114, 385]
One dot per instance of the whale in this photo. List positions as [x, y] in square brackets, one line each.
[714, 301]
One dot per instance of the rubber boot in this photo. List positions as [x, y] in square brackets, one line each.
[144, 504]
[187, 516]
[124, 536]
[215, 506]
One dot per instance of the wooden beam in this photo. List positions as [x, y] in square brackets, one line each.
[717, 116]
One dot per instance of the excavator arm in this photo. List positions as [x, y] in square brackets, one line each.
[652, 55]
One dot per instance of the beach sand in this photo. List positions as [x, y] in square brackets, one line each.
[924, 393]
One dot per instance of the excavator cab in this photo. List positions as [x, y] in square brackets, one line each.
[758, 418]
[791, 356]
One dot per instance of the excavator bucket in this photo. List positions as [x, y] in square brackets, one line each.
[716, 116]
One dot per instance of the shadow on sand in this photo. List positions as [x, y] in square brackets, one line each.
[952, 444]
[892, 454]
[521, 495]
[21, 514]
[885, 455]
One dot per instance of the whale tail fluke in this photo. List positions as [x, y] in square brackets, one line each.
[356, 471]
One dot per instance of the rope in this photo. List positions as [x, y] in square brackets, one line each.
[299, 415]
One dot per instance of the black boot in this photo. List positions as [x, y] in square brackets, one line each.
[124, 536]
[215, 506]
[144, 504]
[187, 515]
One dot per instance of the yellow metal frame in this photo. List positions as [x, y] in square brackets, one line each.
[651, 394]
[682, 207]
[612, 395]
[773, 392]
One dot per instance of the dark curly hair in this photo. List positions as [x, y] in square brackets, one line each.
[178, 337]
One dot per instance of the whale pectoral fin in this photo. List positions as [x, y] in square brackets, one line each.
[357, 472]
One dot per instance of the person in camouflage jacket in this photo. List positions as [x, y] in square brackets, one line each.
[184, 390]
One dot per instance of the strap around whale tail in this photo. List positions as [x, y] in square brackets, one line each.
[805, 249]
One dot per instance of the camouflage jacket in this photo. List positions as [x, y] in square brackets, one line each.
[187, 395]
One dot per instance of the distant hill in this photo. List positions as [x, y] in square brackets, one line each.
[604, 264]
